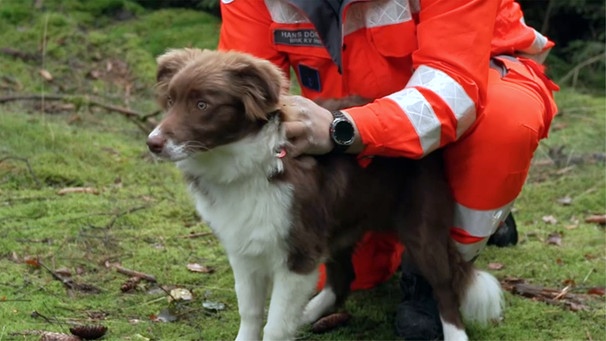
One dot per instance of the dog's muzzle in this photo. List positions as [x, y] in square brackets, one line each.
[156, 142]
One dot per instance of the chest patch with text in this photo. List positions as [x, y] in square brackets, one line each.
[301, 37]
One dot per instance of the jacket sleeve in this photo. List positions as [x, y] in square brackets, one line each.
[246, 27]
[512, 36]
[447, 90]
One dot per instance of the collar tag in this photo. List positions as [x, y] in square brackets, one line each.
[281, 153]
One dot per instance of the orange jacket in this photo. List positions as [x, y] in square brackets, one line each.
[425, 62]
[446, 42]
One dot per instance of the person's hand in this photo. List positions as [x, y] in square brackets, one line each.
[307, 126]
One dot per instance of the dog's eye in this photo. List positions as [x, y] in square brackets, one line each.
[202, 105]
[169, 101]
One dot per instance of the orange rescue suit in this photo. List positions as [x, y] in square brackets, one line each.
[426, 64]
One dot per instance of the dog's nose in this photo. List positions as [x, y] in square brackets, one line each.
[155, 143]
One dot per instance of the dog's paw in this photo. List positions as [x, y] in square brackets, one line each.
[320, 305]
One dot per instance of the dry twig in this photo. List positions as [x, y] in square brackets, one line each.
[123, 213]
[132, 273]
[197, 235]
[574, 72]
[563, 297]
[69, 283]
[24, 56]
[134, 116]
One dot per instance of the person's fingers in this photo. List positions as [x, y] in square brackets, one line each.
[295, 129]
[296, 147]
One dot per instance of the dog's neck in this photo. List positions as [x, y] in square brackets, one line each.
[256, 156]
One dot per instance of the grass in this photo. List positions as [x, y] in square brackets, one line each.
[142, 218]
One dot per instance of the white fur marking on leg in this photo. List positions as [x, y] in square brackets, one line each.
[290, 293]
[319, 305]
[452, 332]
[251, 289]
[483, 301]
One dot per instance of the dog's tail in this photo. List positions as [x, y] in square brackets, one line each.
[482, 300]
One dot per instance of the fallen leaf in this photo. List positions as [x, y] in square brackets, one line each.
[589, 256]
[32, 261]
[549, 219]
[565, 201]
[598, 219]
[571, 227]
[596, 291]
[80, 270]
[46, 75]
[94, 74]
[213, 306]
[52, 336]
[195, 267]
[554, 238]
[495, 266]
[577, 307]
[163, 316]
[69, 190]
[180, 294]
[65, 272]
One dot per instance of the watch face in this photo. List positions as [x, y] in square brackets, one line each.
[343, 132]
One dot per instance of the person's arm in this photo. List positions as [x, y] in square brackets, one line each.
[514, 37]
[245, 27]
[447, 90]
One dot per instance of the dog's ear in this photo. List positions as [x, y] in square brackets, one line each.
[260, 83]
[169, 64]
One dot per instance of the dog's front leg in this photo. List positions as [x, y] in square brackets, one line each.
[340, 274]
[251, 290]
[291, 291]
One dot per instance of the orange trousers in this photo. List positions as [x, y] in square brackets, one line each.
[486, 168]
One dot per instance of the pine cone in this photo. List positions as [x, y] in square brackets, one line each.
[330, 322]
[90, 332]
[130, 284]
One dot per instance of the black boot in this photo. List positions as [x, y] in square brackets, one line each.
[506, 234]
[417, 317]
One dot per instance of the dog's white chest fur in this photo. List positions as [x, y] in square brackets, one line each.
[251, 215]
[251, 218]
[247, 212]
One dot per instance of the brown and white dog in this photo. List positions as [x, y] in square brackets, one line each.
[279, 217]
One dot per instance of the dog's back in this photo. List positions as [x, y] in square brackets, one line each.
[337, 200]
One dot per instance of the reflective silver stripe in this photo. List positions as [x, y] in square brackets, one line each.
[480, 223]
[376, 13]
[539, 42]
[421, 115]
[450, 91]
[470, 251]
[284, 13]
[359, 14]
[537, 45]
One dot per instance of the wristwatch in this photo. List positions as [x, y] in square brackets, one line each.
[342, 132]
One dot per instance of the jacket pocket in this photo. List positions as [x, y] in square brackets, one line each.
[395, 40]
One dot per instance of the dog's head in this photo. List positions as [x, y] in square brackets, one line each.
[211, 98]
